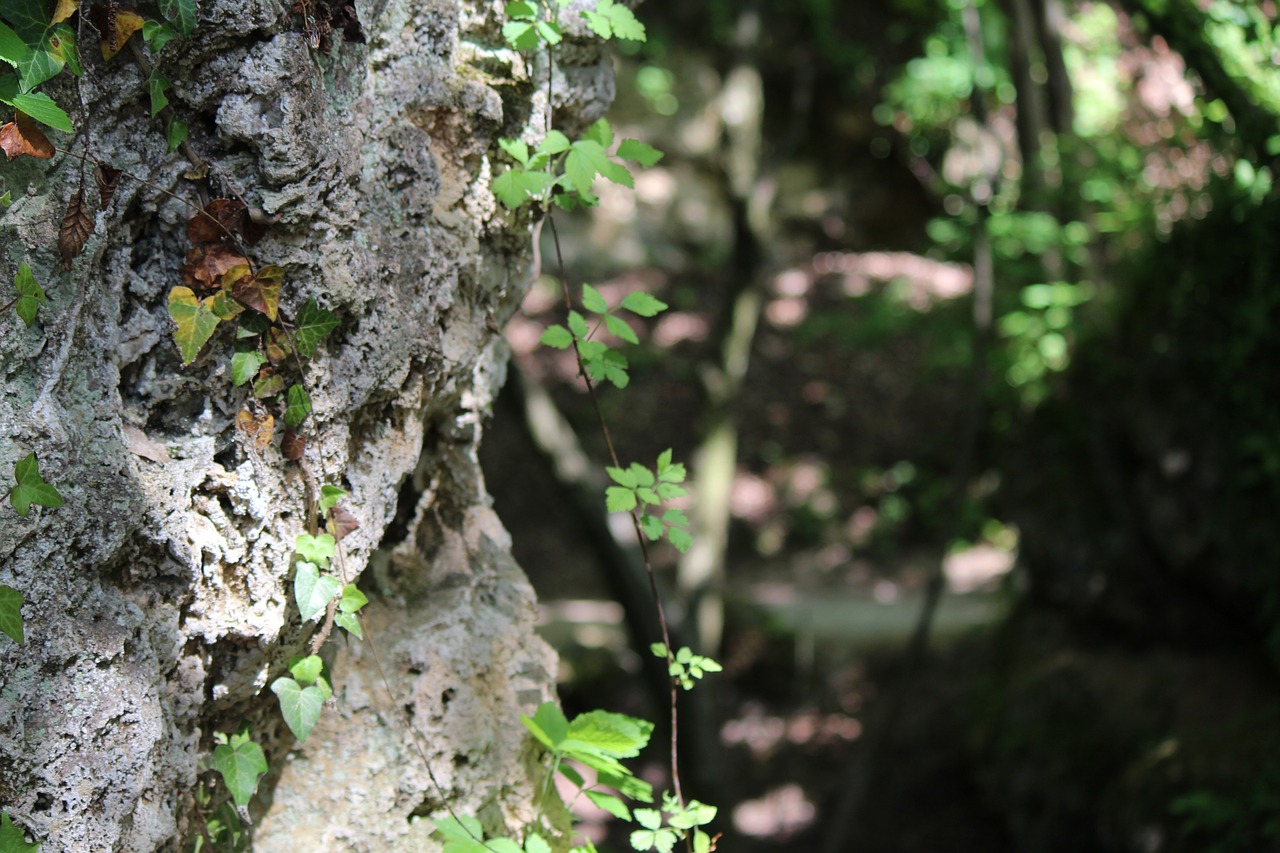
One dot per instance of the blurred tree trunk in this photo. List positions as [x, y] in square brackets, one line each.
[159, 597]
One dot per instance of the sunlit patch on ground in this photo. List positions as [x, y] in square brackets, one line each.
[780, 813]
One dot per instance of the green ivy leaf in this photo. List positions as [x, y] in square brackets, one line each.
[300, 706]
[11, 602]
[180, 13]
[177, 135]
[352, 599]
[637, 152]
[241, 764]
[156, 84]
[639, 302]
[30, 294]
[318, 549]
[297, 406]
[350, 623]
[30, 488]
[329, 497]
[306, 670]
[157, 34]
[244, 366]
[12, 48]
[312, 591]
[557, 337]
[313, 325]
[12, 839]
[194, 320]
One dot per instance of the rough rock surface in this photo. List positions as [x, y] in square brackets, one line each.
[159, 598]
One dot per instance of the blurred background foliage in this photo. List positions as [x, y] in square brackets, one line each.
[973, 351]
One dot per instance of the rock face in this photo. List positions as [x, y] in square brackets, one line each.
[159, 597]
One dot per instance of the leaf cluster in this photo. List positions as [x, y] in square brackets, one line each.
[601, 362]
[639, 488]
[682, 821]
[685, 666]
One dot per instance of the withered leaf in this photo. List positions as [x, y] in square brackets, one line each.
[76, 227]
[260, 292]
[21, 136]
[143, 445]
[278, 348]
[121, 24]
[220, 220]
[268, 384]
[65, 9]
[107, 177]
[206, 265]
[293, 446]
[257, 429]
[341, 523]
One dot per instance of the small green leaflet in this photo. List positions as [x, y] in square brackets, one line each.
[306, 670]
[301, 706]
[613, 20]
[329, 497]
[593, 301]
[516, 186]
[11, 613]
[557, 336]
[31, 295]
[12, 839]
[297, 407]
[352, 600]
[30, 488]
[653, 836]
[316, 549]
[312, 591]
[244, 366]
[637, 152]
[609, 803]
[180, 13]
[639, 302]
[177, 135]
[241, 764]
[313, 324]
[156, 85]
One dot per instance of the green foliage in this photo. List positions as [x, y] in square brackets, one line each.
[30, 294]
[30, 488]
[38, 49]
[597, 739]
[613, 20]
[682, 822]
[313, 325]
[600, 361]
[351, 602]
[11, 602]
[1233, 822]
[180, 13]
[12, 839]
[641, 488]
[241, 764]
[298, 406]
[302, 694]
[685, 666]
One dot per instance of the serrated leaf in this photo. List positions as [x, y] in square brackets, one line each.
[621, 329]
[557, 337]
[578, 325]
[639, 302]
[600, 132]
[649, 818]
[676, 517]
[618, 499]
[300, 706]
[297, 406]
[350, 623]
[516, 186]
[662, 840]
[11, 602]
[315, 549]
[521, 35]
[30, 488]
[622, 476]
[638, 152]
[549, 32]
[651, 526]
[42, 108]
[554, 143]
[30, 295]
[517, 149]
[643, 476]
[245, 365]
[352, 599]
[195, 322]
[680, 538]
[12, 839]
[593, 301]
[609, 803]
[241, 764]
[520, 9]
[180, 13]
[608, 734]
[312, 326]
[312, 591]
[548, 725]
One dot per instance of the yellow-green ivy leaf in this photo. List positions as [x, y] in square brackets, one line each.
[195, 322]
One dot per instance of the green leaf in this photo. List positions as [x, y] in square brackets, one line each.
[244, 366]
[522, 35]
[638, 152]
[680, 538]
[306, 670]
[41, 107]
[676, 517]
[352, 599]
[607, 733]
[350, 623]
[619, 327]
[618, 499]
[622, 476]
[156, 85]
[177, 135]
[195, 322]
[11, 602]
[613, 20]
[535, 843]
[462, 834]
[313, 325]
[180, 13]
[549, 32]
[516, 186]
[30, 294]
[662, 840]
[12, 839]
[297, 406]
[593, 301]
[609, 803]
[601, 132]
[521, 10]
[651, 526]
[516, 149]
[329, 497]
[30, 488]
[157, 34]
[578, 325]
[300, 706]
[548, 725]
[241, 764]
[316, 549]
[554, 142]
[12, 48]
[557, 337]
[312, 591]
[694, 814]
[639, 302]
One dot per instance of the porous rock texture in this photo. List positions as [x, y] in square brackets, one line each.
[159, 597]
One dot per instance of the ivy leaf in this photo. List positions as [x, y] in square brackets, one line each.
[557, 337]
[157, 35]
[12, 839]
[313, 325]
[329, 497]
[241, 764]
[306, 670]
[12, 48]
[180, 13]
[298, 406]
[30, 488]
[30, 294]
[639, 302]
[312, 591]
[11, 602]
[593, 301]
[300, 706]
[177, 135]
[637, 152]
[244, 366]
[352, 599]
[315, 549]
[156, 85]
[195, 322]
[268, 384]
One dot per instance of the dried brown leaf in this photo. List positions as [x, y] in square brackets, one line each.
[293, 445]
[142, 445]
[121, 24]
[76, 227]
[220, 220]
[107, 178]
[341, 523]
[65, 9]
[257, 429]
[206, 265]
[21, 136]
